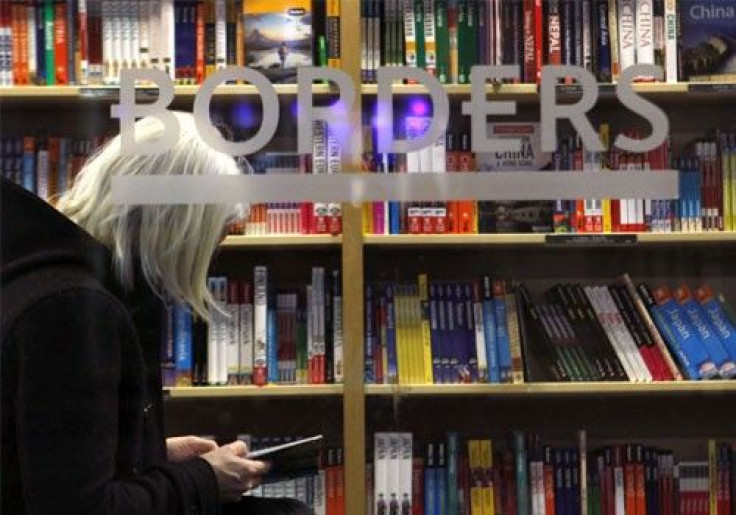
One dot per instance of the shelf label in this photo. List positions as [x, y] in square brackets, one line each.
[591, 240]
[715, 87]
[576, 89]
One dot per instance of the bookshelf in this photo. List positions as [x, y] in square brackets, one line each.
[360, 254]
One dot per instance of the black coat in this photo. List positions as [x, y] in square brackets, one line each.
[82, 424]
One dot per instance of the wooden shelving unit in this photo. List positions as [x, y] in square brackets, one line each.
[296, 240]
[553, 389]
[212, 392]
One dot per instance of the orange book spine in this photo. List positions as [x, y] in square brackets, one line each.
[200, 42]
[60, 43]
[14, 31]
[23, 57]
[451, 166]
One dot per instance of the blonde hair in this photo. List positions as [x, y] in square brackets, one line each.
[175, 243]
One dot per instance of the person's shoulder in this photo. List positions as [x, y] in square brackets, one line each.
[61, 285]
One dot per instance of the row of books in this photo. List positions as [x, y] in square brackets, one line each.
[492, 330]
[529, 476]
[47, 166]
[707, 182]
[49, 42]
[259, 333]
[322, 488]
[689, 39]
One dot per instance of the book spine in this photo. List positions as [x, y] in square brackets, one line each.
[442, 38]
[554, 33]
[644, 33]
[670, 40]
[260, 328]
[627, 32]
[334, 52]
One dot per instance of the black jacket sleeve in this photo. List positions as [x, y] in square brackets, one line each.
[70, 349]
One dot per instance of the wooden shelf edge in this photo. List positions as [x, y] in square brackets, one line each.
[278, 240]
[532, 90]
[535, 238]
[531, 389]
[198, 392]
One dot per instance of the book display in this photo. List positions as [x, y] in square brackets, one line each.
[459, 356]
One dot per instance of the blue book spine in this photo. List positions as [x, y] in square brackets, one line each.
[452, 474]
[435, 333]
[575, 481]
[559, 482]
[183, 345]
[502, 338]
[722, 325]
[29, 169]
[464, 359]
[441, 482]
[430, 483]
[370, 377]
[489, 323]
[604, 43]
[568, 495]
[711, 342]
[444, 346]
[470, 332]
[688, 338]
[63, 155]
[40, 44]
[392, 365]
[272, 344]
[453, 355]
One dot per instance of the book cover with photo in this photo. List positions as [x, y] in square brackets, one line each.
[513, 216]
[278, 37]
[707, 40]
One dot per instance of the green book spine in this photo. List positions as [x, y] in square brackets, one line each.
[472, 41]
[443, 41]
[48, 15]
[419, 32]
[452, 479]
[463, 43]
[522, 476]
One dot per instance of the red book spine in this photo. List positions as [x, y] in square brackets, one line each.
[417, 487]
[640, 485]
[451, 165]
[94, 40]
[630, 481]
[466, 208]
[200, 69]
[538, 40]
[330, 482]
[339, 483]
[60, 43]
[83, 43]
[530, 72]
[13, 13]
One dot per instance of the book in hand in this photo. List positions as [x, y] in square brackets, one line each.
[290, 460]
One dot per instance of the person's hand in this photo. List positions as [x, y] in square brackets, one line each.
[183, 448]
[235, 474]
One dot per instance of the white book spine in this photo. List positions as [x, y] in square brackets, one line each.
[220, 34]
[144, 51]
[321, 316]
[639, 362]
[124, 13]
[480, 341]
[587, 38]
[212, 365]
[393, 487]
[405, 469]
[135, 34]
[644, 32]
[31, 28]
[627, 33]
[608, 329]
[223, 332]
[376, 41]
[246, 342]
[260, 307]
[337, 322]
[233, 344]
[168, 57]
[42, 174]
[410, 38]
[154, 34]
[320, 493]
[107, 46]
[625, 342]
[619, 495]
[670, 40]
[380, 476]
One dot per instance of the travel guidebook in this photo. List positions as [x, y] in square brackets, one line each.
[278, 37]
[515, 216]
[708, 40]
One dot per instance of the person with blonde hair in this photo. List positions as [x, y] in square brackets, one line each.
[83, 290]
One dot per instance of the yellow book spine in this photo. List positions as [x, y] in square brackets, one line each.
[605, 135]
[426, 329]
[486, 456]
[727, 192]
[334, 59]
[476, 485]
[416, 335]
